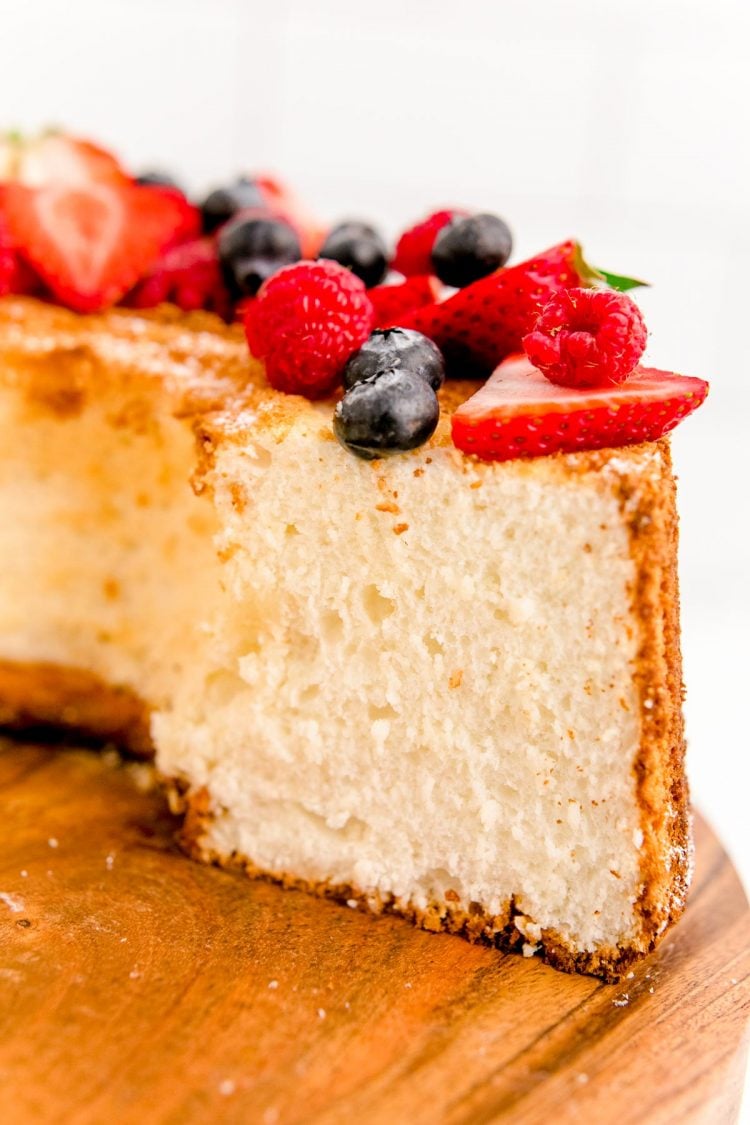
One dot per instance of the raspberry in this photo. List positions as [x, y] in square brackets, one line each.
[305, 323]
[414, 248]
[587, 338]
[189, 276]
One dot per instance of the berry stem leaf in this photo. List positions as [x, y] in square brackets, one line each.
[622, 284]
[593, 276]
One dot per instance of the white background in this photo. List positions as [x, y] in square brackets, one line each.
[624, 124]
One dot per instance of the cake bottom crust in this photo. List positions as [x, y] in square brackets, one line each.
[48, 695]
[608, 962]
[38, 694]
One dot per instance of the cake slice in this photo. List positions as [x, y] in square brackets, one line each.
[434, 685]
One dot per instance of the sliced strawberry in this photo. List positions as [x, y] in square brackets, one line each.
[89, 243]
[393, 301]
[480, 325]
[8, 261]
[55, 158]
[187, 215]
[25, 280]
[164, 215]
[519, 413]
[188, 276]
[16, 276]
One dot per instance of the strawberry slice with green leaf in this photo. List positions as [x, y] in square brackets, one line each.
[57, 158]
[519, 413]
[483, 323]
[89, 242]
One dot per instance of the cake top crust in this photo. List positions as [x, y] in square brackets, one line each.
[199, 369]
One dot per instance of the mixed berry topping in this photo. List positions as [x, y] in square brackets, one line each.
[486, 321]
[329, 309]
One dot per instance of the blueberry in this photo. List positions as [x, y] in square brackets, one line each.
[470, 248]
[388, 413]
[155, 178]
[250, 250]
[396, 347]
[223, 203]
[359, 247]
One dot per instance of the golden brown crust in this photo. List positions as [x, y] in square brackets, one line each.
[474, 924]
[650, 508]
[190, 363]
[39, 694]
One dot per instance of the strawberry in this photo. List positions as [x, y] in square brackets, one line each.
[393, 301]
[187, 275]
[15, 275]
[519, 413]
[187, 215]
[56, 158]
[480, 325]
[413, 254]
[25, 280]
[89, 243]
[8, 262]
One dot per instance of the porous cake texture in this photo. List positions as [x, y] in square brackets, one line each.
[438, 686]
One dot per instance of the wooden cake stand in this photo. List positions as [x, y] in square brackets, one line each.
[138, 986]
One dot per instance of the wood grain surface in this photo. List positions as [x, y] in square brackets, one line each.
[138, 986]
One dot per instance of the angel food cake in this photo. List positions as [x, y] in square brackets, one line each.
[392, 638]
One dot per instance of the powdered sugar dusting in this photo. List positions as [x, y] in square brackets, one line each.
[14, 903]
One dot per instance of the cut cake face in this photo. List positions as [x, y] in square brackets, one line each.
[442, 687]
